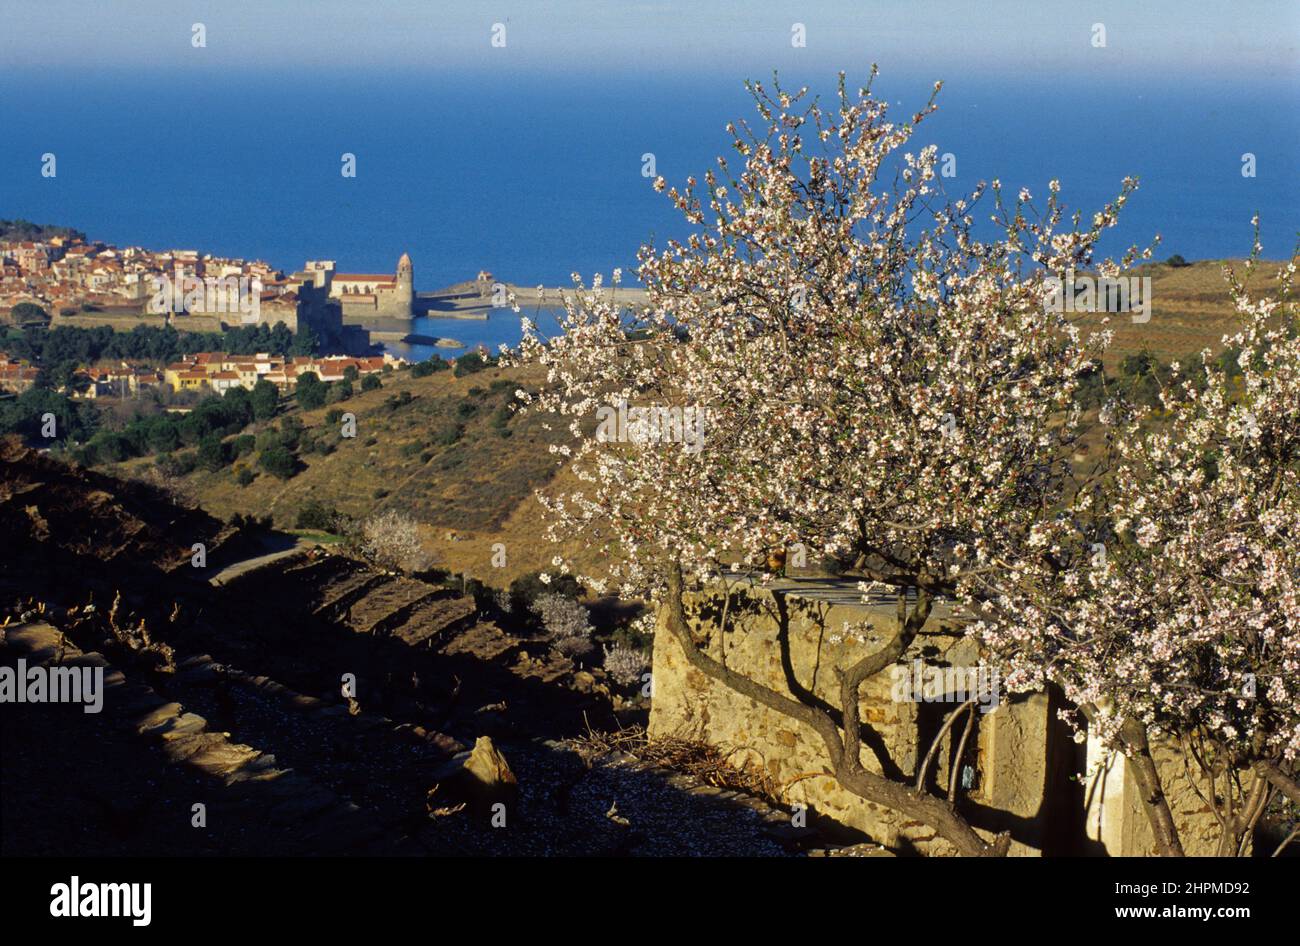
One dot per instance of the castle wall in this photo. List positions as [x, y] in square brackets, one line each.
[269, 314]
[124, 320]
[362, 308]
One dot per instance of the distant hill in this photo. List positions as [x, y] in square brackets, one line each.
[25, 230]
[453, 455]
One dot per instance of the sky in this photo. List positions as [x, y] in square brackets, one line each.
[527, 159]
[1243, 41]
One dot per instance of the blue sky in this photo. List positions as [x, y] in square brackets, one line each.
[1244, 41]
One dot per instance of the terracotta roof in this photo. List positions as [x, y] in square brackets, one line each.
[364, 277]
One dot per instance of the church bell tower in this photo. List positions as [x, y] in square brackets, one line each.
[405, 283]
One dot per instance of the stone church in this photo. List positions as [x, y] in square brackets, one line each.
[368, 298]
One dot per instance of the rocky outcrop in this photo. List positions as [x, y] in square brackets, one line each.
[480, 778]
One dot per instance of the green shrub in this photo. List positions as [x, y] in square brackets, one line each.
[316, 515]
[448, 434]
[291, 432]
[212, 453]
[85, 455]
[244, 476]
[110, 447]
[452, 459]
[265, 399]
[180, 464]
[400, 399]
[243, 445]
[28, 312]
[370, 382]
[278, 461]
[471, 364]
[525, 589]
[1091, 391]
[310, 393]
[161, 435]
[22, 415]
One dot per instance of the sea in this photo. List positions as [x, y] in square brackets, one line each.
[537, 180]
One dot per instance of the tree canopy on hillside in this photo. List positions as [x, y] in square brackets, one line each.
[24, 230]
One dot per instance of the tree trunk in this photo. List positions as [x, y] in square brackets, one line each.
[846, 769]
[1154, 802]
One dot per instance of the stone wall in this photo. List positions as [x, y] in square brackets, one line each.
[1117, 820]
[124, 320]
[1025, 771]
[368, 309]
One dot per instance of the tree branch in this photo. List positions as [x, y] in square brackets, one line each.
[1286, 784]
[867, 785]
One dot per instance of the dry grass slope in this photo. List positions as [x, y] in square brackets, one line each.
[443, 459]
[1191, 310]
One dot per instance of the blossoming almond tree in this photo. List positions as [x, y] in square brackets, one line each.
[878, 383]
[1167, 601]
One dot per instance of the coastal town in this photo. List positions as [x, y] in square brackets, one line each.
[62, 274]
[87, 283]
[63, 280]
[213, 372]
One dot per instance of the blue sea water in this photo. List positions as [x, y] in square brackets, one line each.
[502, 327]
[533, 180]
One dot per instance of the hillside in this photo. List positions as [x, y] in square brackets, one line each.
[25, 230]
[228, 691]
[453, 456]
[1191, 310]
[230, 686]
[450, 452]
